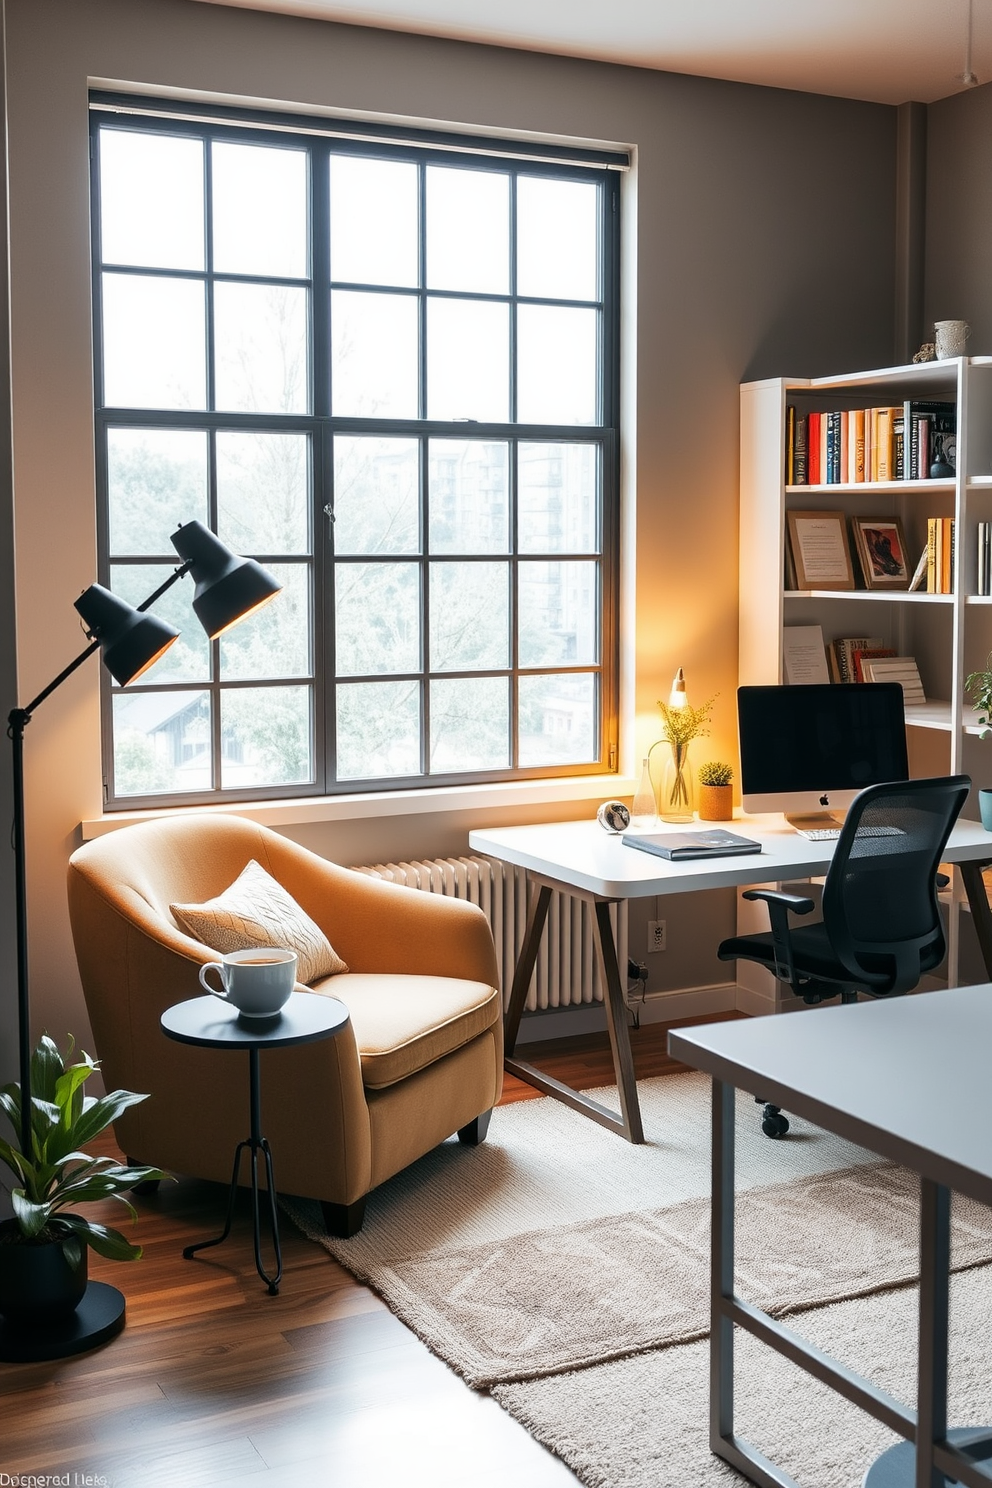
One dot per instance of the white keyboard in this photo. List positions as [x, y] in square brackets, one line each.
[830, 834]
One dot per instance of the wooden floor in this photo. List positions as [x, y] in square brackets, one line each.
[215, 1382]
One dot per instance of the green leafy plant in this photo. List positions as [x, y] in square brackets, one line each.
[56, 1175]
[979, 686]
[713, 772]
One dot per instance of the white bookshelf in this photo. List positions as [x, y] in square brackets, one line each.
[949, 634]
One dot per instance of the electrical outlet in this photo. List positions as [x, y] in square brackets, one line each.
[657, 936]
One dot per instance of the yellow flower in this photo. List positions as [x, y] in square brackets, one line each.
[680, 725]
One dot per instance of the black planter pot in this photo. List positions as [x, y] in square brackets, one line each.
[40, 1284]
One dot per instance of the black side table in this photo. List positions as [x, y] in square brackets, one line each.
[208, 1023]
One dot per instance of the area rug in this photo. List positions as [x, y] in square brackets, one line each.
[641, 1422]
[557, 1246]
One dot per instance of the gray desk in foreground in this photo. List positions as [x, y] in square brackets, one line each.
[582, 859]
[907, 1078]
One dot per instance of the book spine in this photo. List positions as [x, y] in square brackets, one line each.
[885, 462]
[948, 574]
[984, 574]
[831, 450]
[824, 459]
[799, 476]
[847, 646]
[813, 449]
[931, 555]
[859, 444]
[790, 444]
[909, 441]
[846, 461]
[898, 447]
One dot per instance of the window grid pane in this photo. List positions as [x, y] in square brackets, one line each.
[469, 594]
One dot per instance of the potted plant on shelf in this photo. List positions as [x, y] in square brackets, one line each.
[979, 686]
[43, 1248]
[681, 723]
[716, 791]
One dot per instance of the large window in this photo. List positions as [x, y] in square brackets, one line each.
[388, 371]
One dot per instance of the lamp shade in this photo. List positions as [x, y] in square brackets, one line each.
[129, 639]
[228, 588]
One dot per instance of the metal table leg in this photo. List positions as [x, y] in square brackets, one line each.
[254, 1144]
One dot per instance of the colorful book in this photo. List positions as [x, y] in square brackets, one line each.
[885, 460]
[799, 467]
[858, 415]
[865, 653]
[842, 651]
[813, 449]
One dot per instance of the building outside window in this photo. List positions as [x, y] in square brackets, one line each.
[387, 370]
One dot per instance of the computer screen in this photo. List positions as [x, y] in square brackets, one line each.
[811, 748]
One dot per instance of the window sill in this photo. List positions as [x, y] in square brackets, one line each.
[457, 798]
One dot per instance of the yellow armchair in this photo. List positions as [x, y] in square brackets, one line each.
[421, 1059]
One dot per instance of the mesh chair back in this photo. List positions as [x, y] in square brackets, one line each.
[880, 906]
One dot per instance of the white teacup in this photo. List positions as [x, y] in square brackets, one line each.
[257, 982]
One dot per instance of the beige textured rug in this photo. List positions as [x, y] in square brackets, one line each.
[642, 1422]
[620, 1263]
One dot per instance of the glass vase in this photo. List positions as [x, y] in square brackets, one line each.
[643, 810]
[676, 801]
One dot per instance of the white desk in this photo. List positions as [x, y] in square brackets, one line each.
[859, 1071]
[584, 860]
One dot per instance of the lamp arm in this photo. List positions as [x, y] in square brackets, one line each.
[17, 721]
[177, 573]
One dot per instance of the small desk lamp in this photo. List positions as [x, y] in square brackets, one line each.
[228, 589]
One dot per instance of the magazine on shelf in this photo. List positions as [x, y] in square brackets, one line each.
[681, 845]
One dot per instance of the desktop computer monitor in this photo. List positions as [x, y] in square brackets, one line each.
[808, 749]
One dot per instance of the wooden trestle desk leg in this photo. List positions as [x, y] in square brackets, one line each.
[628, 1123]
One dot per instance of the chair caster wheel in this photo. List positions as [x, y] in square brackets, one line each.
[773, 1123]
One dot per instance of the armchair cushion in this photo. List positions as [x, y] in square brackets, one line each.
[257, 911]
[402, 1024]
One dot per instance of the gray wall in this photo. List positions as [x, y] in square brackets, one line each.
[959, 214]
[759, 239]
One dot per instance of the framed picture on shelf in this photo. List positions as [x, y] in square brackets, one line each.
[882, 550]
[820, 551]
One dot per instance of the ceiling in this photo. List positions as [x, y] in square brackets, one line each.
[885, 51]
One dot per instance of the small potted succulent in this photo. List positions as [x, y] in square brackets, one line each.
[979, 687]
[716, 791]
[43, 1248]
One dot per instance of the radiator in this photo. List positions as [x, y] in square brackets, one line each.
[567, 972]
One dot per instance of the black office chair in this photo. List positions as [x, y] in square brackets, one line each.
[881, 927]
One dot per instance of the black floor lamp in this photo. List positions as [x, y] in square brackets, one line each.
[228, 589]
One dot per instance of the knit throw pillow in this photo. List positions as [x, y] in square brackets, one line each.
[257, 911]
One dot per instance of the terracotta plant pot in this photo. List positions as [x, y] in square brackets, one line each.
[716, 802]
[40, 1284]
